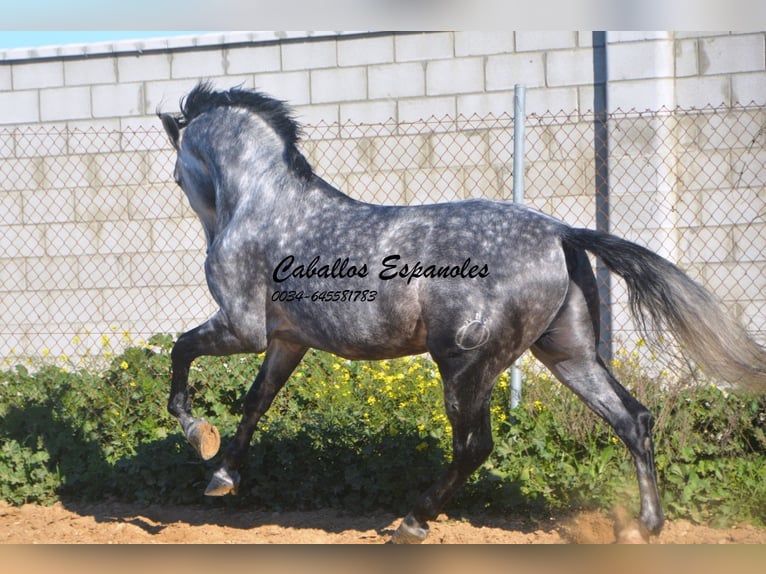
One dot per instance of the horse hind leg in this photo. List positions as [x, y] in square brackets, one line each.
[467, 401]
[568, 349]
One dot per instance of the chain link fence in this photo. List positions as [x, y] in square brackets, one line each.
[101, 249]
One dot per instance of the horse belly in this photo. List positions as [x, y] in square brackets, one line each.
[383, 328]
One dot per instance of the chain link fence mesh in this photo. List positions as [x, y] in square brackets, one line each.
[101, 249]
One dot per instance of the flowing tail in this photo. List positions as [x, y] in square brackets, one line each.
[664, 299]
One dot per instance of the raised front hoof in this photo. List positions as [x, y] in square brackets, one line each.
[410, 531]
[223, 483]
[205, 439]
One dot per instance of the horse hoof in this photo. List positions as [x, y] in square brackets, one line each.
[223, 483]
[205, 439]
[632, 536]
[410, 532]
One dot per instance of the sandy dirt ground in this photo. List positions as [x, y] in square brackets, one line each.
[114, 523]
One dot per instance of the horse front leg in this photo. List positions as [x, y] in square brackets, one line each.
[211, 338]
[278, 364]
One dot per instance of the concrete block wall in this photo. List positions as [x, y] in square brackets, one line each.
[81, 156]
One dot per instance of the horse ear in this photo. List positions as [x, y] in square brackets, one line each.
[171, 128]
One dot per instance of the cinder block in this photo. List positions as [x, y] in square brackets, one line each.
[197, 64]
[432, 186]
[530, 41]
[385, 187]
[23, 240]
[103, 271]
[292, 87]
[637, 36]
[102, 203]
[637, 60]
[731, 54]
[12, 277]
[65, 103]
[429, 46]
[101, 70]
[164, 96]
[481, 105]
[458, 149]
[551, 101]
[51, 273]
[155, 201]
[312, 115]
[484, 43]
[569, 68]
[722, 207]
[118, 100]
[505, 71]
[5, 78]
[124, 237]
[748, 242]
[461, 75]
[418, 109]
[24, 175]
[37, 75]
[166, 268]
[175, 234]
[10, 206]
[46, 206]
[686, 58]
[365, 51]
[174, 302]
[396, 80]
[63, 239]
[19, 107]
[338, 85]
[748, 88]
[699, 92]
[143, 67]
[253, 59]
[704, 245]
[378, 112]
[309, 55]
[642, 95]
[125, 304]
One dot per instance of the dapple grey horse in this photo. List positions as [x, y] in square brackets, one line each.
[293, 264]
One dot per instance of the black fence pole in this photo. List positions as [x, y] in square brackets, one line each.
[601, 150]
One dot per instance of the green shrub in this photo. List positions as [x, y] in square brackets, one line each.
[365, 436]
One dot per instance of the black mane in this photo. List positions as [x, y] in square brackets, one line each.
[276, 113]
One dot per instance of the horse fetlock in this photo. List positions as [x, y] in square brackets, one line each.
[410, 531]
[223, 482]
[204, 437]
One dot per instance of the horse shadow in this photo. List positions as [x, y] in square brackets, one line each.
[289, 482]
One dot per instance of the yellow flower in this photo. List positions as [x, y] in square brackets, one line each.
[371, 400]
[46, 352]
[124, 365]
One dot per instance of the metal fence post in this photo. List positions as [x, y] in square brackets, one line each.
[519, 119]
[601, 160]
